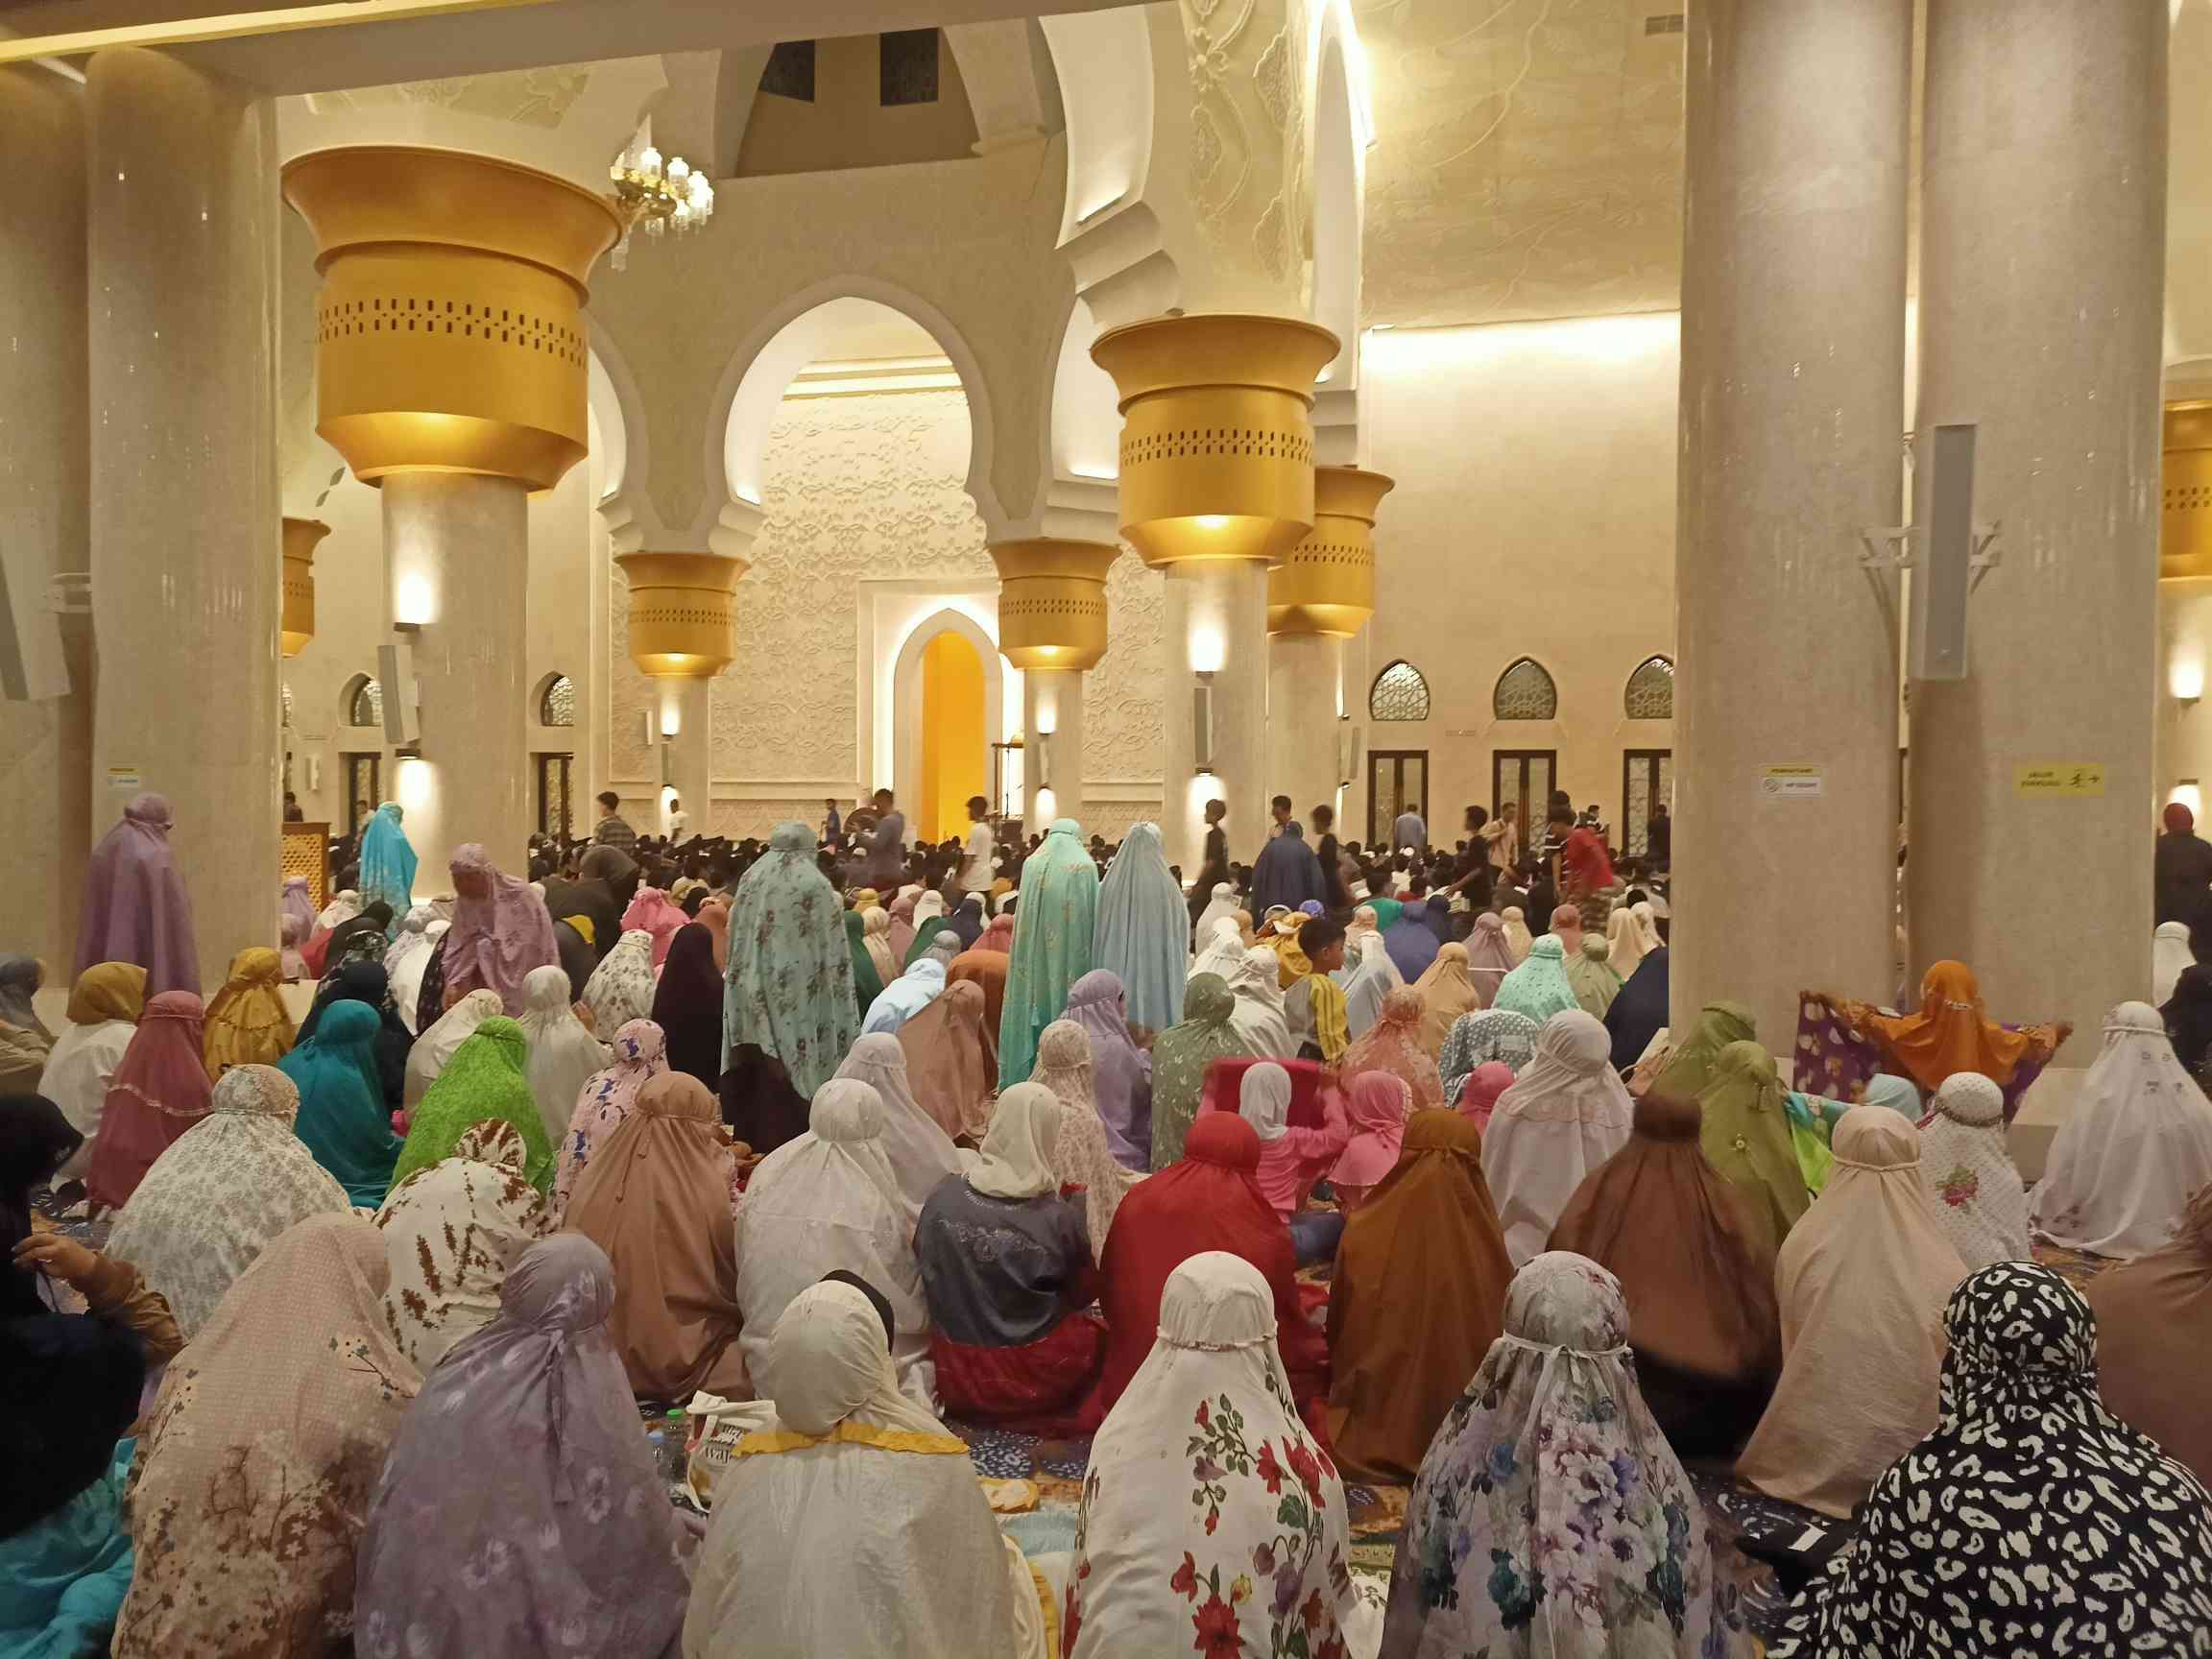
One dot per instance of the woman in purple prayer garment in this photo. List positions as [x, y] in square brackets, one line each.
[520, 1510]
[134, 904]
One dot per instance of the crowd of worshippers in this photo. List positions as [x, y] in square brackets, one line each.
[1265, 1201]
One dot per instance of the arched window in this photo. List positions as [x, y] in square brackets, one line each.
[364, 702]
[1650, 693]
[1399, 693]
[556, 702]
[1526, 691]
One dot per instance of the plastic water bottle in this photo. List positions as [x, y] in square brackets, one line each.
[659, 1443]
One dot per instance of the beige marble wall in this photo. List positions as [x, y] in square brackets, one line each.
[1533, 515]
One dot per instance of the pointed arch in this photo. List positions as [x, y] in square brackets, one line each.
[1400, 693]
[753, 384]
[906, 690]
[1526, 691]
[1650, 694]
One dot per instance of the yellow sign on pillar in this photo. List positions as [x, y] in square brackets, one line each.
[2053, 777]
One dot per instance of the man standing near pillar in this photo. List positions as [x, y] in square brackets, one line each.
[1213, 864]
[1333, 897]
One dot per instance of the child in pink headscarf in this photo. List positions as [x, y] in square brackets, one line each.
[1378, 1103]
[1481, 1091]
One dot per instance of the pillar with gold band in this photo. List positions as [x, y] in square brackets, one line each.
[301, 535]
[1318, 597]
[2184, 761]
[1216, 484]
[450, 372]
[682, 607]
[1052, 627]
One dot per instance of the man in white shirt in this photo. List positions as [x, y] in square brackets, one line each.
[974, 873]
[679, 820]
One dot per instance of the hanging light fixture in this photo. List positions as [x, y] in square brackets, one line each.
[661, 195]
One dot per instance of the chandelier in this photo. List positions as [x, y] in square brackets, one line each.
[660, 195]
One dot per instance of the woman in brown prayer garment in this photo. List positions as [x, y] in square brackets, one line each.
[1703, 1318]
[2154, 1340]
[1418, 1297]
[656, 1197]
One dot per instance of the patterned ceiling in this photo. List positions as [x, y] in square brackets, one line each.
[1527, 159]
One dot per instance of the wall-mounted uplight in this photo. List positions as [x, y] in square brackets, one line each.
[1043, 744]
[1202, 724]
[2186, 793]
[415, 784]
[2185, 680]
[413, 600]
[671, 722]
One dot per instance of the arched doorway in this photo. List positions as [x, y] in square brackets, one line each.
[943, 701]
[954, 739]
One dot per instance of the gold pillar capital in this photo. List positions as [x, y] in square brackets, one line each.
[1325, 583]
[1052, 601]
[449, 332]
[683, 610]
[1217, 456]
[301, 535]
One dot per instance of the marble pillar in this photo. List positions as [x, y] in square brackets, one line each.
[1305, 709]
[684, 703]
[1215, 636]
[1216, 485]
[1793, 384]
[46, 803]
[1052, 629]
[457, 552]
[1052, 747]
[2041, 268]
[182, 199]
[449, 370]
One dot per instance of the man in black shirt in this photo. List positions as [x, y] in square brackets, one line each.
[1471, 875]
[1214, 862]
[2183, 869]
[1332, 894]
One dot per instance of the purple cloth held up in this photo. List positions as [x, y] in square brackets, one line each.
[1121, 1072]
[521, 1498]
[1832, 1058]
[134, 904]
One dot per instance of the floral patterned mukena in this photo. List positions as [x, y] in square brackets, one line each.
[789, 978]
[1550, 1516]
[1251, 1563]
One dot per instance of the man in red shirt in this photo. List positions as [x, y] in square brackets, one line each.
[1586, 878]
